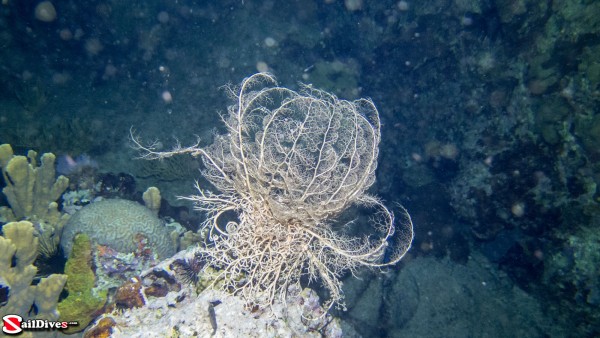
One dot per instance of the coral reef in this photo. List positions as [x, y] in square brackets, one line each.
[18, 250]
[102, 329]
[84, 300]
[289, 166]
[179, 311]
[512, 84]
[32, 192]
[129, 295]
[151, 199]
[117, 224]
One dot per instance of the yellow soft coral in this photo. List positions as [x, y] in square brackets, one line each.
[19, 246]
[32, 191]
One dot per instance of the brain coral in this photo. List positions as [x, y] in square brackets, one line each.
[115, 223]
